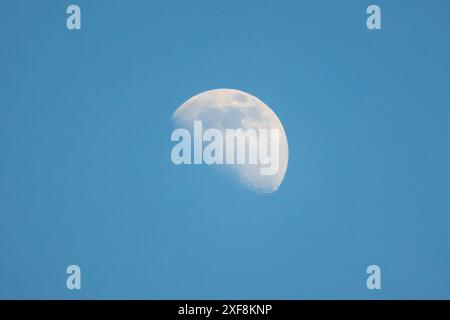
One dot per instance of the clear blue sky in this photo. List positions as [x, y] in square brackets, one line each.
[85, 170]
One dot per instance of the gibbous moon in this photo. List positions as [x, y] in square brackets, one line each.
[233, 109]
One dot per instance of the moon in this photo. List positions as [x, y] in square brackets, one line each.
[233, 109]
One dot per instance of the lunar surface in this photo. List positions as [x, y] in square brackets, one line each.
[233, 109]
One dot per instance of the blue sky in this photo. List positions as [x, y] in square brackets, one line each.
[86, 176]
